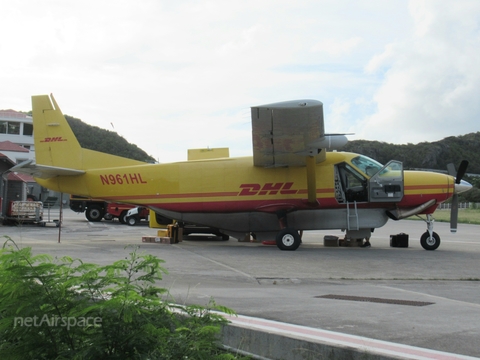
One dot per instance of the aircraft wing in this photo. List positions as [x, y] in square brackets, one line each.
[43, 171]
[286, 133]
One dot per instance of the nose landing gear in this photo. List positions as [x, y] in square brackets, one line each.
[430, 240]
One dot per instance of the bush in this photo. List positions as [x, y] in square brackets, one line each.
[66, 309]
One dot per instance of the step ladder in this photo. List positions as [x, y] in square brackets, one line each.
[352, 217]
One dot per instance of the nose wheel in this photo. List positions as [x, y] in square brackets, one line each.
[430, 239]
[430, 242]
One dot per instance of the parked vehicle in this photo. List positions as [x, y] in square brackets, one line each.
[96, 210]
[136, 214]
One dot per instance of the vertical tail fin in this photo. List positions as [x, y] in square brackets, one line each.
[57, 146]
[55, 143]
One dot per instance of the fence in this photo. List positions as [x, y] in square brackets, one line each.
[462, 205]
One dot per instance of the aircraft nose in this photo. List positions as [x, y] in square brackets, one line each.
[462, 187]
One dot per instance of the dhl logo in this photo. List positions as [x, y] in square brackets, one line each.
[53, 139]
[267, 189]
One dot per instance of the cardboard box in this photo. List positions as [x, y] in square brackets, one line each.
[162, 233]
[330, 241]
[399, 240]
[157, 239]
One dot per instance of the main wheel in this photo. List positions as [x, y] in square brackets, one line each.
[94, 213]
[108, 216]
[288, 239]
[430, 242]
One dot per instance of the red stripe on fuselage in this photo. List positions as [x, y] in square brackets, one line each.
[428, 187]
[252, 204]
[198, 195]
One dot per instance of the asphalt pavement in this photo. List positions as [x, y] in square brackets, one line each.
[427, 299]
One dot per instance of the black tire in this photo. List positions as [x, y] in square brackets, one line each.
[288, 239]
[123, 217]
[131, 220]
[108, 216]
[430, 243]
[94, 213]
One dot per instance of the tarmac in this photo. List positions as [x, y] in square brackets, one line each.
[410, 302]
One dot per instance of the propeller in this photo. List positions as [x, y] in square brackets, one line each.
[458, 174]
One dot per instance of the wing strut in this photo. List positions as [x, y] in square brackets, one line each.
[311, 179]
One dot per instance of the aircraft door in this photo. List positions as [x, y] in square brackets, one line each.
[353, 184]
[387, 184]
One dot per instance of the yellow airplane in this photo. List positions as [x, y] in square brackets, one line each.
[293, 183]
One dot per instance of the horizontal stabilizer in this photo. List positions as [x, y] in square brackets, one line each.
[44, 171]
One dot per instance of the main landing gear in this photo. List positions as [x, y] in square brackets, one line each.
[430, 239]
[288, 239]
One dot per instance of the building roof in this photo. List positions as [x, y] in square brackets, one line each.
[7, 159]
[13, 176]
[10, 146]
[12, 114]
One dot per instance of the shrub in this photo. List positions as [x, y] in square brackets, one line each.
[64, 308]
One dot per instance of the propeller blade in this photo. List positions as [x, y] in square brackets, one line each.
[454, 214]
[451, 170]
[462, 169]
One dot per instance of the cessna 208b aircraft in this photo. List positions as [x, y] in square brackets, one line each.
[293, 182]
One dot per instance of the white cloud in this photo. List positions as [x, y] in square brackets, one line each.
[335, 47]
[183, 74]
[431, 86]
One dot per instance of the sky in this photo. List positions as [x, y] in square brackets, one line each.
[170, 76]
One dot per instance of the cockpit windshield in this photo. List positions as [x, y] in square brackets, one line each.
[366, 165]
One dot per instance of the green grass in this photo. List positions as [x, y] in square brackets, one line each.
[465, 216]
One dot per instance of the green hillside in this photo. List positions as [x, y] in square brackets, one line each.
[435, 155]
[95, 138]
[425, 155]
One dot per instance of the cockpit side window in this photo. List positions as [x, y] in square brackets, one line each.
[366, 165]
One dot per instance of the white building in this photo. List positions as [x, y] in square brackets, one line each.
[16, 145]
[17, 128]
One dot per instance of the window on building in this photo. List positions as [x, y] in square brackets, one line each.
[3, 127]
[27, 129]
[13, 128]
